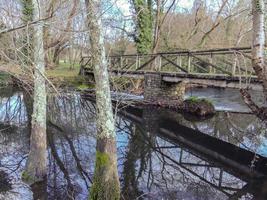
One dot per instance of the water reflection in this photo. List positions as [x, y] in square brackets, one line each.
[157, 157]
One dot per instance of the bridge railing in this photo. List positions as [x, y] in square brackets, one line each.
[227, 61]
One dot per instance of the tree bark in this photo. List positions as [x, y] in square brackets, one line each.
[258, 58]
[106, 184]
[36, 164]
[258, 43]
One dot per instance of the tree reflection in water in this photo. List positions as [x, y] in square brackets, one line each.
[150, 166]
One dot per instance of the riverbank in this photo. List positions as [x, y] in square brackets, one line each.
[60, 76]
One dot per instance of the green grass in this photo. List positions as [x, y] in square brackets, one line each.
[65, 75]
[84, 86]
[63, 70]
[4, 78]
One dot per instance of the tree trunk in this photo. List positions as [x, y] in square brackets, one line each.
[258, 43]
[258, 58]
[36, 164]
[106, 184]
[56, 55]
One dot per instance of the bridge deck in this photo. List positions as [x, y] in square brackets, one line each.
[215, 80]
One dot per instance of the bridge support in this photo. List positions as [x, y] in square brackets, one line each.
[160, 92]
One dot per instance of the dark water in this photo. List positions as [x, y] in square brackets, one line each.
[161, 154]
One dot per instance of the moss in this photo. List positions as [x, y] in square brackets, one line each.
[199, 106]
[26, 177]
[83, 87]
[102, 159]
[194, 99]
[105, 185]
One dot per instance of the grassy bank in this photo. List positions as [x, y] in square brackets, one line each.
[63, 70]
[5, 79]
[65, 75]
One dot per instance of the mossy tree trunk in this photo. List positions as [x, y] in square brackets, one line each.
[106, 184]
[36, 164]
[144, 25]
[27, 16]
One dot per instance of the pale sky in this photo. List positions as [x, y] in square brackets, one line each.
[187, 4]
[124, 6]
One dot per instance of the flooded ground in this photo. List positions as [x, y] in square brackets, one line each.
[161, 154]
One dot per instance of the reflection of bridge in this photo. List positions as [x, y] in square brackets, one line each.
[229, 161]
[217, 67]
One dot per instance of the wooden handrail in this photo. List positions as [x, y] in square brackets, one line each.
[185, 52]
[168, 58]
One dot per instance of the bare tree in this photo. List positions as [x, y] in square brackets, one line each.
[106, 182]
[36, 164]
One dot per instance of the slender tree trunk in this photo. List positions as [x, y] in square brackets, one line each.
[258, 58]
[56, 55]
[106, 184]
[258, 43]
[36, 164]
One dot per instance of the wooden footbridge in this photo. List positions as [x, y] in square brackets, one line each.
[227, 67]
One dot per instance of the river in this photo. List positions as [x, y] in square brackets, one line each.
[162, 154]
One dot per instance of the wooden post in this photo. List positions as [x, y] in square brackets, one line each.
[121, 64]
[139, 61]
[234, 66]
[159, 64]
[189, 63]
[109, 63]
[178, 61]
[136, 62]
[210, 60]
